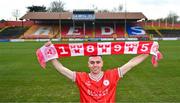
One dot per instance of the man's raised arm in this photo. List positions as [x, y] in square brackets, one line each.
[132, 63]
[63, 70]
[60, 68]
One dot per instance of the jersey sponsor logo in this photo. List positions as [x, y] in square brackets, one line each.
[106, 82]
[97, 93]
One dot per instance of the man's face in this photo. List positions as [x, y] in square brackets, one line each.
[95, 64]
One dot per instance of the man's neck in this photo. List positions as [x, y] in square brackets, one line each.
[96, 77]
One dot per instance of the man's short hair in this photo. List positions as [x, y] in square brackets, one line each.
[95, 56]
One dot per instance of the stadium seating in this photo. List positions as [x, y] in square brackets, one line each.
[153, 32]
[68, 30]
[45, 30]
[170, 33]
[40, 32]
[12, 32]
[165, 33]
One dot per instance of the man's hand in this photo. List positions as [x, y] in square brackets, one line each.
[40, 56]
[48, 43]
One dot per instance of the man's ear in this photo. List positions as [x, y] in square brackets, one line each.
[88, 64]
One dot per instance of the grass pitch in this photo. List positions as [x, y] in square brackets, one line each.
[23, 80]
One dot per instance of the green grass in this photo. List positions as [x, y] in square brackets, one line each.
[23, 80]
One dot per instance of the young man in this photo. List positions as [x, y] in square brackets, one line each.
[97, 86]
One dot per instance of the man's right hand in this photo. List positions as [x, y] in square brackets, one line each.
[48, 43]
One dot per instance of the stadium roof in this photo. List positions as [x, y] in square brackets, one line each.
[68, 15]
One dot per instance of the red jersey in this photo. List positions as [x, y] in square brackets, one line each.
[97, 91]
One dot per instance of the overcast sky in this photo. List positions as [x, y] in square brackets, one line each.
[152, 9]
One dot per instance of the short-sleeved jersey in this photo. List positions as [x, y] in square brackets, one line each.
[101, 91]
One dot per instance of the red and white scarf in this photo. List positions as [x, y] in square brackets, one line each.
[44, 54]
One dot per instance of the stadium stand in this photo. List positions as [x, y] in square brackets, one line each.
[40, 32]
[82, 24]
[153, 33]
[165, 33]
[162, 30]
[16, 23]
[12, 32]
[2, 25]
[170, 33]
[100, 30]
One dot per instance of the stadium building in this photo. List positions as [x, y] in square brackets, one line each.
[84, 24]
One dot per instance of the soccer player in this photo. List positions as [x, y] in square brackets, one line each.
[97, 86]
